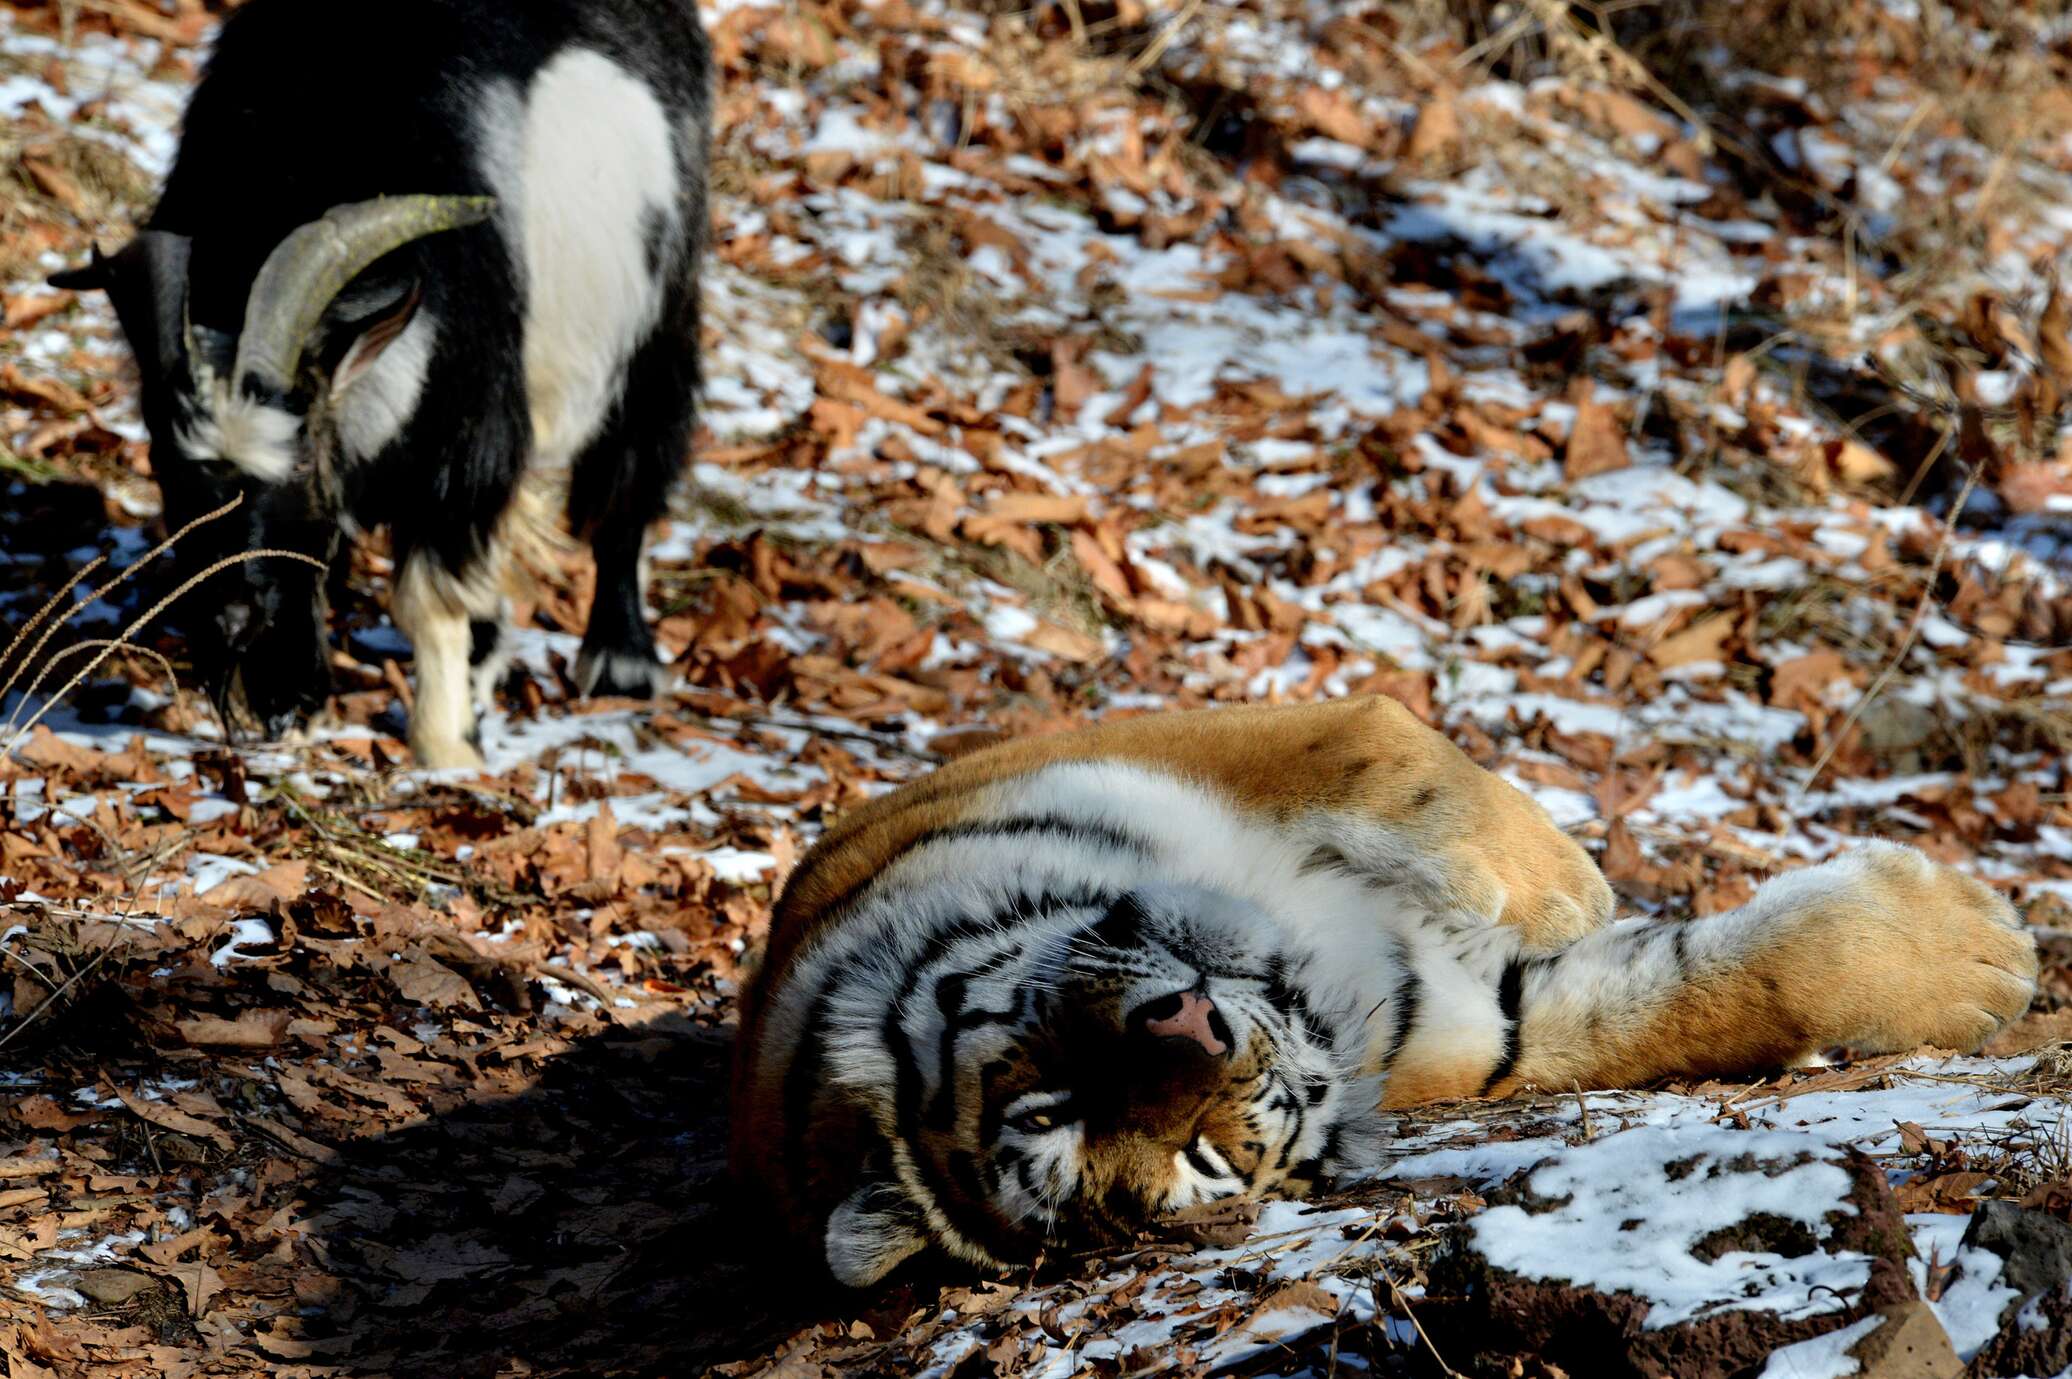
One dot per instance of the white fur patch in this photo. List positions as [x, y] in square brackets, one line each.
[584, 163]
[263, 441]
[373, 407]
[621, 667]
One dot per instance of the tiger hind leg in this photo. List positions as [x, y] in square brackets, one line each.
[1879, 951]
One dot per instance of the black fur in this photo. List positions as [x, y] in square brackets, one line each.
[310, 104]
[1510, 999]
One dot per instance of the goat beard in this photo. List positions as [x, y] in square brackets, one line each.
[279, 683]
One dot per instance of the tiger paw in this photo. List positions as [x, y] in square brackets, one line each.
[1530, 876]
[1888, 951]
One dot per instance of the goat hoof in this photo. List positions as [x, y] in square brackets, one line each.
[620, 674]
[446, 754]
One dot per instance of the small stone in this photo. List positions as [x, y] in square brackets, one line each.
[1895, 731]
[114, 1287]
[2035, 1250]
[1910, 1345]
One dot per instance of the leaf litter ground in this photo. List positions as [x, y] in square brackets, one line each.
[1692, 460]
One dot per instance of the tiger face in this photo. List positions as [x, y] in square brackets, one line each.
[1063, 1079]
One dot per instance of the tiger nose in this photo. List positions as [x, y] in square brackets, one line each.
[1184, 1015]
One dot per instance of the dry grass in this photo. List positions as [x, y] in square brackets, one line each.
[347, 853]
[31, 670]
[59, 175]
[940, 290]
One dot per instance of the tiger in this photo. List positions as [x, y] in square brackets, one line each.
[1066, 985]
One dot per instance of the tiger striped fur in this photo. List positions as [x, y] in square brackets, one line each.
[1067, 984]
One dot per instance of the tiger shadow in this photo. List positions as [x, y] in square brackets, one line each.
[586, 1225]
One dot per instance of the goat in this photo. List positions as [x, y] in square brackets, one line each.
[430, 265]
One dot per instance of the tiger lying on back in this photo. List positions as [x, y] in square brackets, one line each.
[1068, 984]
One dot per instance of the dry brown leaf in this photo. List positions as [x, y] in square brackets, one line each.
[253, 1029]
[1701, 641]
[1064, 643]
[1804, 680]
[2030, 1033]
[601, 852]
[1596, 441]
[1437, 128]
[1220, 1225]
[23, 1167]
[1038, 507]
[428, 982]
[179, 1122]
[1856, 463]
[1333, 113]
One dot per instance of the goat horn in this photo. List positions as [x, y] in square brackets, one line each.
[307, 270]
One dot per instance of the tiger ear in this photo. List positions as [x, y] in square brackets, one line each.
[869, 1235]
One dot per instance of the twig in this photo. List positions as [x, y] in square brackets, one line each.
[882, 741]
[589, 986]
[1403, 1302]
[1869, 697]
[1078, 22]
[51, 604]
[1156, 48]
[1942, 443]
[123, 639]
[50, 1002]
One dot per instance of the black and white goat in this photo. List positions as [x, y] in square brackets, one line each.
[423, 264]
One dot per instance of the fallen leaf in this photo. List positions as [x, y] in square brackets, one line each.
[1596, 441]
[177, 1121]
[254, 1029]
[1436, 130]
[2030, 1033]
[1701, 641]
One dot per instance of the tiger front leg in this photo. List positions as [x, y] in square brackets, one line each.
[1407, 806]
[1877, 952]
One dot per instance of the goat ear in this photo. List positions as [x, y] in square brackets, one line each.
[872, 1233]
[378, 329]
[92, 277]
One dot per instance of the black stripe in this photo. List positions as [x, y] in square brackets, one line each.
[949, 994]
[1055, 825]
[942, 1112]
[967, 1213]
[1334, 1139]
[803, 1081]
[1325, 857]
[1292, 1001]
[1683, 950]
[1121, 927]
[1408, 996]
[1510, 994]
[1201, 1162]
[1294, 1134]
[908, 798]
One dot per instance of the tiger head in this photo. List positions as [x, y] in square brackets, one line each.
[1059, 1076]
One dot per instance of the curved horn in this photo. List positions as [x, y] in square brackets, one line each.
[307, 270]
